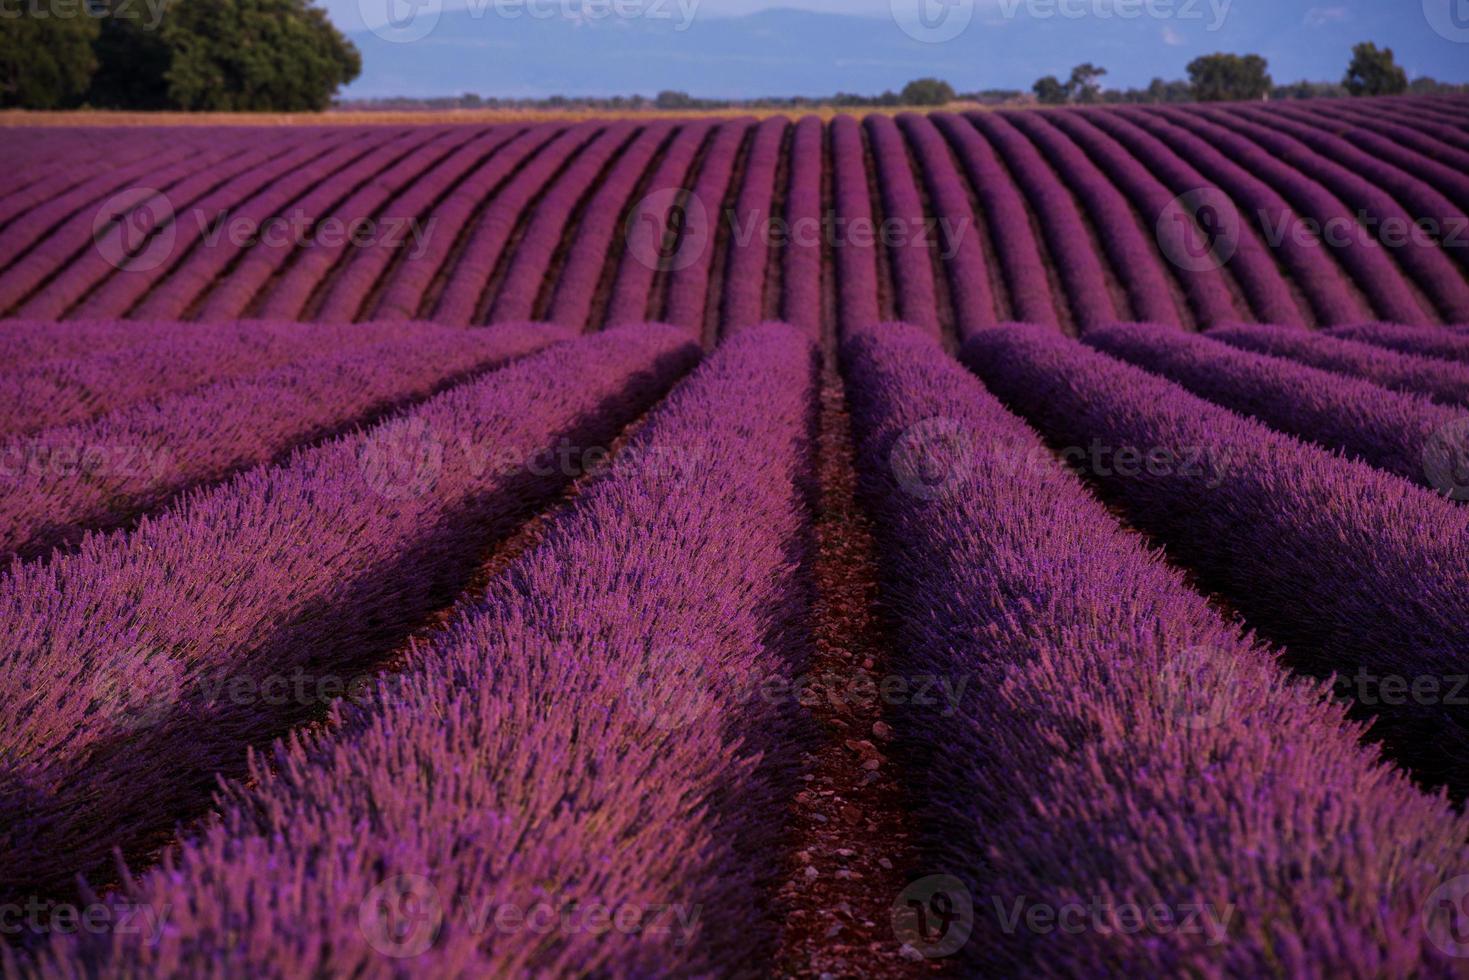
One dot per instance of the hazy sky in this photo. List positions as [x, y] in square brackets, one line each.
[1301, 38]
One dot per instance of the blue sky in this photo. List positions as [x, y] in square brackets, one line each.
[1002, 44]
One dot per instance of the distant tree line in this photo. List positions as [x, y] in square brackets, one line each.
[227, 55]
[919, 92]
[1231, 77]
[1212, 78]
[923, 92]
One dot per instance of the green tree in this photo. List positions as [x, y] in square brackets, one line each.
[1424, 85]
[674, 100]
[1308, 90]
[1084, 85]
[1050, 91]
[928, 91]
[1229, 77]
[46, 57]
[255, 55]
[132, 58]
[1374, 72]
[1162, 90]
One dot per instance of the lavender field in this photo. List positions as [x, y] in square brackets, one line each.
[1018, 543]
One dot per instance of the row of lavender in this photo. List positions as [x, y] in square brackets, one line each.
[408, 800]
[642, 719]
[319, 565]
[1142, 787]
[1326, 215]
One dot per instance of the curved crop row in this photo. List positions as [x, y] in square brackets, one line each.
[751, 229]
[1294, 177]
[350, 291]
[576, 289]
[1438, 134]
[801, 300]
[566, 743]
[698, 239]
[125, 241]
[1431, 105]
[1315, 270]
[196, 270]
[407, 290]
[658, 215]
[1430, 161]
[1027, 285]
[161, 360]
[1442, 128]
[1069, 243]
[1352, 570]
[1254, 266]
[958, 236]
[58, 483]
[1176, 231]
[48, 183]
[854, 255]
[138, 668]
[1370, 265]
[147, 269]
[55, 247]
[532, 258]
[286, 298]
[1449, 345]
[1445, 383]
[465, 285]
[256, 267]
[1134, 258]
[908, 240]
[1385, 192]
[1121, 743]
[35, 228]
[1395, 432]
